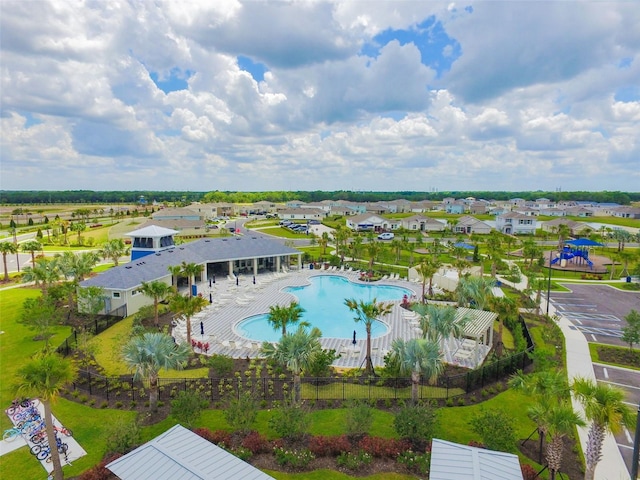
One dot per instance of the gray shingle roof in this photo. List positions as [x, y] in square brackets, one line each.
[180, 454]
[451, 460]
[155, 266]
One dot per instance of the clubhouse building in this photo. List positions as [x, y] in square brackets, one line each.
[153, 252]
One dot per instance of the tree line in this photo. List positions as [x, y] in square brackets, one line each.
[89, 196]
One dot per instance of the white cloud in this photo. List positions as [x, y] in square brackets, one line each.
[535, 99]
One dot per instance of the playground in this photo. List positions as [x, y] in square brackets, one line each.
[577, 256]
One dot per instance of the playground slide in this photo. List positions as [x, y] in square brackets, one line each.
[590, 263]
[555, 260]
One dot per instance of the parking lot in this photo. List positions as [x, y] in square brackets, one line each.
[598, 311]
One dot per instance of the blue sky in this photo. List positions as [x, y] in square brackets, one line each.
[325, 95]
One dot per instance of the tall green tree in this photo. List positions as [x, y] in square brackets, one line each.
[31, 246]
[561, 420]
[297, 352]
[427, 268]
[157, 291]
[280, 316]
[474, 291]
[494, 251]
[367, 313]
[44, 377]
[43, 273]
[439, 323]
[373, 250]
[175, 271]
[113, 250]
[419, 357]
[77, 266]
[631, 331]
[605, 408]
[149, 353]
[191, 270]
[7, 248]
[507, 310]
[40, 314]
[78, 227]
[187, 306]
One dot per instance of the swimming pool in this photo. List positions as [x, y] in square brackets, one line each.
[323, 301]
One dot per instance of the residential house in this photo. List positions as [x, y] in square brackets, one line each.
[579, 212]
[576, 229]
[422, 224]
[456, 207]
[367, 222]
[302, 214]
[468, 224]
[528, 211]
[514, 223]
[627, 212]
[479, 207]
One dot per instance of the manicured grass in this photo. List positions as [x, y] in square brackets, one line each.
[108, 356]
[595, 357]
[282, 232]
[507, 336]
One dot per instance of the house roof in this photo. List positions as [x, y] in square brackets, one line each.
[462, 462]
[207, 250]
[152, 231]
[180, 454]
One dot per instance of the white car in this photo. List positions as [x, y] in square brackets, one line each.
[386, 236]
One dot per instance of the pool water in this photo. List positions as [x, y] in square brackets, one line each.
[323, 301]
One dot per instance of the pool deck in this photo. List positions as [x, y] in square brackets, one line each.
[233, 303]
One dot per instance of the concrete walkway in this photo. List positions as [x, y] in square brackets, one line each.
[578, 364]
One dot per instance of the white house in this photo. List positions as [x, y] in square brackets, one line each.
[514, 223]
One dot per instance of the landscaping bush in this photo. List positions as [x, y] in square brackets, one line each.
[416, 462]
[496, 429]
[417, 423]
[187, 407]
[221, 365]
[324, 446]
[218, 437]
[354, 461]
[241, 412]
[289, 421]
[297, 459]
[359, 417]
[528, 472]
[256, 443]
[122, 436]
[383, 447]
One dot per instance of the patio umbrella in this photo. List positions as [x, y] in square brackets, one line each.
[354, 338]
[210, 298]
[254, 279]
[202, 329]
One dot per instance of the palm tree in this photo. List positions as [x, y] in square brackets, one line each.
[396, 246]
[77, 266]
[561, 420]
[7, 248]
[43, 273]
[419, 357]
[175, 271]
[147, 354]
[79, 227]
[604, 407]
[113, 250]
[546, 388]
[505, 307]
[373, 250]
[191, 270]
[427, 268]
[297, 351]
[474, 291]
[494, 251]
[158, 291]
[368, 312]
[281, 316]
[356, 247]
[439, 323]
[32, 246]
[563, 231]
[323, 241]
[43, 377]
[187, 306]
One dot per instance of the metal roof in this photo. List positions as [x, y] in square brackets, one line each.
[480, 322]
[180, 454]
[155, 266]
[152, 231]
[452, 460]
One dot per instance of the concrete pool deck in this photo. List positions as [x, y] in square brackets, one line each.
[233, 303]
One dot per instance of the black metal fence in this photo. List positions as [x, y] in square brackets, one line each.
[95, 326]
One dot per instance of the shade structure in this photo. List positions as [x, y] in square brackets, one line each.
[584, 242]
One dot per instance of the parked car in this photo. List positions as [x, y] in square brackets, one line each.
[314, 222]
[386, 236]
